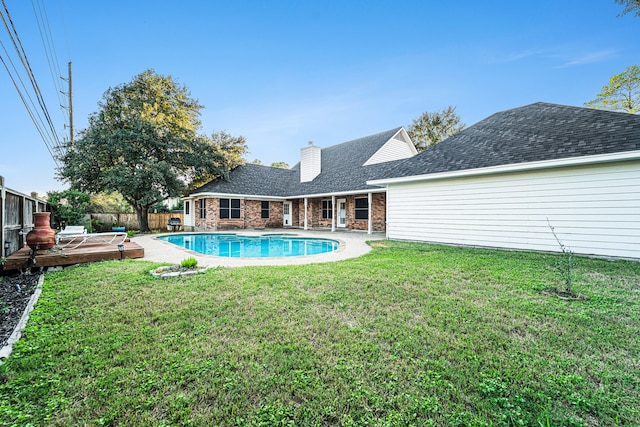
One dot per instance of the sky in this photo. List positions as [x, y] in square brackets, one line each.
[282, 73]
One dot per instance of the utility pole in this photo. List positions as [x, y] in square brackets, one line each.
[70, 108]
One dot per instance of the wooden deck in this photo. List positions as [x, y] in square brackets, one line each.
[85, 253]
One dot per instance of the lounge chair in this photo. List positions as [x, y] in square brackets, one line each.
[70, 230]
[65, 241]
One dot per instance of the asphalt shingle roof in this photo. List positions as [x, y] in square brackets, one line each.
[534, 132]
[252, 179]
[341, 171]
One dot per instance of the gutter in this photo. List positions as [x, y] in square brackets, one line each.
[277, 198]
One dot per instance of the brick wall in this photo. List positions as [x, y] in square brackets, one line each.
[315, 220]
[250, 215]
[207, 223]
[253, 214]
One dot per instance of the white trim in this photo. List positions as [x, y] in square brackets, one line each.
[370, 214]
[333, 213]
[338, 201]
[342, 193]
[514, 167]
[306, 205]
[278, 198]
[288, 216]
[235, 196]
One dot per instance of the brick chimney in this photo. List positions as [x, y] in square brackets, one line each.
[310, 162]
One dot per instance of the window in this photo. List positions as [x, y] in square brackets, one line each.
[203, 208]
[265, 210]
[327, 209]
[187, 206]
[362, 208]
[229, 208]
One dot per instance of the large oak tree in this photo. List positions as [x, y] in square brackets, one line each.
[144, 143]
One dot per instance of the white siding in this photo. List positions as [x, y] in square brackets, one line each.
[310, 162]
[594, 210]
[394, 149]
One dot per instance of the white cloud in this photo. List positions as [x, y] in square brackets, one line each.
[591, 57]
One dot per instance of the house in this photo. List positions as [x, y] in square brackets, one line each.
[506, 180]
[327, 189]
[503, 182]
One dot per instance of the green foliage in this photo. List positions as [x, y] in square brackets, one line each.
[566, 266]
[409, 334]
[144, 144]
[111, 202]
[69, 206]
[257, 162]
[621, 94]
[95, 225]
[630, 6]
[231, 149]
[281, 165]
[189, 262]
[159, 207]
[433, 127]
[178, 206]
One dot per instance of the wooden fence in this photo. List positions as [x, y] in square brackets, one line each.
[157, 221]
[16, 218]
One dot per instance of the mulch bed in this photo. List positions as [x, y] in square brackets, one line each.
[15, 292]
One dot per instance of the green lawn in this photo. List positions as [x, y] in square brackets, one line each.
[410, 334]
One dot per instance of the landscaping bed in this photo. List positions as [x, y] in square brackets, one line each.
[15, 293]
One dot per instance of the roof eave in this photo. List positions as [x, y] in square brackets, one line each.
[338, 193]
[293, 196]
[234, 195]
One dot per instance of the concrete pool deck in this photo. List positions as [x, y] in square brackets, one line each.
[352, 244]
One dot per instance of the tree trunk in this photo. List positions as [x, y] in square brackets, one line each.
[143, 218]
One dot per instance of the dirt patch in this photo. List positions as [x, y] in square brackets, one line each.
[15, 292]
[565, 295]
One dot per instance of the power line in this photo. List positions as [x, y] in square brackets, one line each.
[17, 43]
[32, 110]
[49, 47]
[44, 125]
[33, 119]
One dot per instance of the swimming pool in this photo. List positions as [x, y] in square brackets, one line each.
[265, 246]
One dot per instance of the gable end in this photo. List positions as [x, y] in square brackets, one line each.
[398, 147]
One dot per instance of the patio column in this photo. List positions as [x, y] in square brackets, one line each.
[333, 213]
[370, 227]
[306, 203]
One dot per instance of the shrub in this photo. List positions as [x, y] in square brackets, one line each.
[189, 262]
[565, 267]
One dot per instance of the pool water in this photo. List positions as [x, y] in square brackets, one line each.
[265, 246]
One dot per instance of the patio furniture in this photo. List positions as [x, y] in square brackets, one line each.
[71, 230]
[115, 238]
